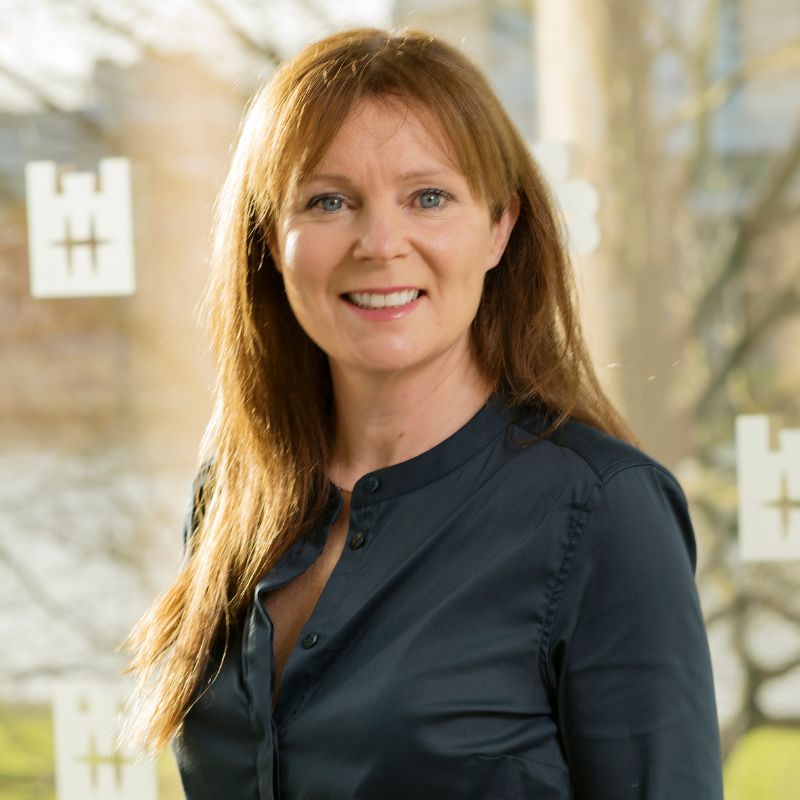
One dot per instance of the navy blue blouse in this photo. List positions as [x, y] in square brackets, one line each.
[506, 620]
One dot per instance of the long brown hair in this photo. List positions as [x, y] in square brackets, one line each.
[270, 431]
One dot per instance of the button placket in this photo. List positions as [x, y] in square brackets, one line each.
[307, 662]
[307, 659]
[363, 519]
[257, 648]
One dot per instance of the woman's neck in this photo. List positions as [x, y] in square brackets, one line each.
[374, 432]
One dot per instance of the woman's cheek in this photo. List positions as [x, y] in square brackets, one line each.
[291, 247]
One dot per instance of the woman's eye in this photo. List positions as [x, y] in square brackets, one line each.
[429, 198]
[432, 198]
[326, 202]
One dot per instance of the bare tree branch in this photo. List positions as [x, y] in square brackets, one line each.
[782, 306]
[669, 37]
[779, 607]
[743, 720]
[706, 30]
[90, 126]
[718, 93]
[778, 722]
[735, 729]
[788, 212]
[256, 46]
[58, 610]
[106, 23]
[317, 10]
[24, 82]
[46, 670]
[764, 674]
[718, 615]
[758, 220]
[699, 70]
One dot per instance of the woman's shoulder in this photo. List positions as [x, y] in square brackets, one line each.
[588, 452]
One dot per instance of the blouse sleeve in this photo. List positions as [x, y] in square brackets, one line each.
[195, 506]
[628, 653]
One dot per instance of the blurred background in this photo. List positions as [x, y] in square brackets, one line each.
[683, 115]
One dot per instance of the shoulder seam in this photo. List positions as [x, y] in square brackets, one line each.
[574, 538]
[606, 474]
[556, 590]
[561, 444]
[614, 469]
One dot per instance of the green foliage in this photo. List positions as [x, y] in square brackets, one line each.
[26, 753]
[765, 766]
[27, 757]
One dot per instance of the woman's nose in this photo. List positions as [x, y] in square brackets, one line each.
[381, 233]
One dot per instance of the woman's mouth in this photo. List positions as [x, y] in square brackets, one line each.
[373, 300]
[378, 306]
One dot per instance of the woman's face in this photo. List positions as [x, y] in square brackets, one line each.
[387, 215]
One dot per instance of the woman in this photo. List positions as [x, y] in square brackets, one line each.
[425, 556]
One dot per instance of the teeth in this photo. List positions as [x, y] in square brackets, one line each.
[391, 300]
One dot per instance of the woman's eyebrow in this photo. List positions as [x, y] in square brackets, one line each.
[417, 173]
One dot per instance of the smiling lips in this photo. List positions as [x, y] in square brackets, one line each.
[393, 297]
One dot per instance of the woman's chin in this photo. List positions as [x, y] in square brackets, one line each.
[380, 363]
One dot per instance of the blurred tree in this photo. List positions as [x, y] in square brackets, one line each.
[83, 507]
[698, 218]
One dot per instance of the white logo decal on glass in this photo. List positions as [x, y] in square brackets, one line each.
[80, 239]
[578, 199]
[769, 491]
[87, 718]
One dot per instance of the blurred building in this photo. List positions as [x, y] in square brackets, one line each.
[104, 399]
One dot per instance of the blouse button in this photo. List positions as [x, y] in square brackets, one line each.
[373, 484]
[309, 640]
[357, 541]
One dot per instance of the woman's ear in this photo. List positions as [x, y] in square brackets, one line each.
[274, 251]
[502, 230]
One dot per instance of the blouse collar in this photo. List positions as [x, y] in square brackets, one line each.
[393, 481]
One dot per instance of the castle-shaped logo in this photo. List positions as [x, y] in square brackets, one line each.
[768, 478]
[87, 717]
[80, 235]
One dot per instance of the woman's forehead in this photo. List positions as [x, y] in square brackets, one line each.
[386, 129]
[398, 145]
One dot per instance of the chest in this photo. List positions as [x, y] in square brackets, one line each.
[428, 655]
[290, 606]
